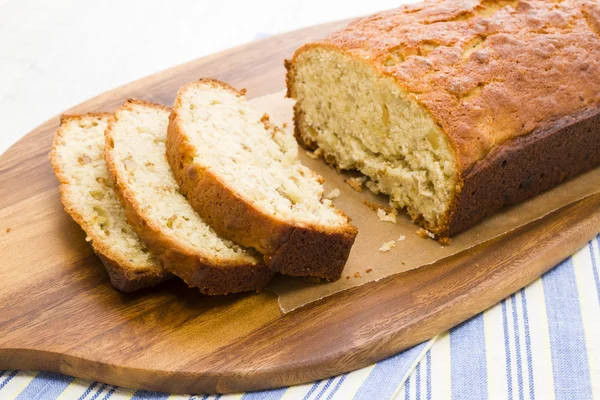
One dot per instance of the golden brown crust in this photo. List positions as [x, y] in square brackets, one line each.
[318, 251]
[484, 79]
[488, 72]
[210, 275]
[123, 274]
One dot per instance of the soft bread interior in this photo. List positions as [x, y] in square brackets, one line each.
[87, 190]
[248, 153]
[139, 133]
[367, 122]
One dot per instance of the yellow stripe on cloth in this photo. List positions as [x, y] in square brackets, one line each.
[540, 342]
[440, 368]
[495, 353]
[17, 384]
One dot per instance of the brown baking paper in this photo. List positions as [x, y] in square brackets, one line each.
[366, 262]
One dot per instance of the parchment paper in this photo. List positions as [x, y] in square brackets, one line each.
[413, 251]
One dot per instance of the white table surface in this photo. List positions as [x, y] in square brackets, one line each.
[56, 54]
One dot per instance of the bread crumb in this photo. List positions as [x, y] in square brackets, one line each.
[445, 241]
[315, 154]
[348, 277]
[285, 125]
[375, 207]
[424, 233]
[357, 274]
[401, 238]
[387, 217]
[334, 194]
[356, 183]
[8, 230]
[369, 270]
[387, 246]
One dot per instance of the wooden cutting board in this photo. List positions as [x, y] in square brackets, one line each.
[59, 313]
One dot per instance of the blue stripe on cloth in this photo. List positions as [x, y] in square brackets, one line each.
[468, 360]
[407, 389]
[88, 390]
[327, 384]
[273, 394]
[418, 383]
[387, 375]
[507, 351]
[8, 379]
[337, 386]
[595, 267]
[515, 317]
[98, 392]
[110, 393]
[147, 395]
[312, 389]
[45, 385]
[2, 373]
[428, 374]
[565, 327]
[528, 345]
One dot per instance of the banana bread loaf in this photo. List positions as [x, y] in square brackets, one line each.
[456, 108]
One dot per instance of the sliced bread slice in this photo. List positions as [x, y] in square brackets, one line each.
[88, 196]
[242, 174]
[187, 246]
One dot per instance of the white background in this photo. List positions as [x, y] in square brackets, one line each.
[55, 54]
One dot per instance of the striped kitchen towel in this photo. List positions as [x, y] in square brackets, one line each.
[542, 342]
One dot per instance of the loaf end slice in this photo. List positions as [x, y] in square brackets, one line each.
[88, 196]
[242, 174]
[183, 241]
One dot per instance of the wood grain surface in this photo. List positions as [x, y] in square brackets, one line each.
[59, 313]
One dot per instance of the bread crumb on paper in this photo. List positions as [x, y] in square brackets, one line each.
[387, 216]
[285, 125]
[357, 274]
[445, 241]
[369, 270]
[387, 246]
[314, 154]
[401, 238]
[424, 233]
[375, 207]
[334, 194]
[347, 276]
[357, 183]
[8, 230]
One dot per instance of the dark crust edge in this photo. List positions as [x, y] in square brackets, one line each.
[526, 166]
[123, 276]
[289, 249]
[197, 271]
[126, 281]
